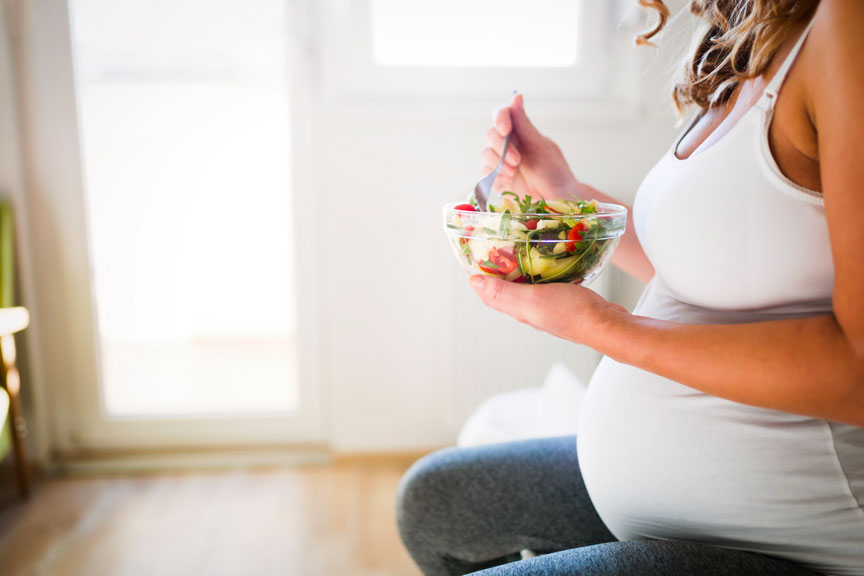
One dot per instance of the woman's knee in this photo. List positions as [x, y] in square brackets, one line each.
[428, 496]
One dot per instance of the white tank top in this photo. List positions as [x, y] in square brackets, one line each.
[732, 240]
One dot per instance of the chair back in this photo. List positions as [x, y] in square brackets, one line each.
[7, 256]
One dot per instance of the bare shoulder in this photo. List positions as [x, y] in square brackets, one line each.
[834, 93]
[833, 53]
[838, 26]
[841, 15]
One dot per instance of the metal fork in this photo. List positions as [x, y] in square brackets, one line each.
[483, 187]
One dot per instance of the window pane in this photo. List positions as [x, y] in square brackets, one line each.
[185, 138]
[483, 33]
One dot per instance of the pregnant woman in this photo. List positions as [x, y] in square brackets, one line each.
[723, 432]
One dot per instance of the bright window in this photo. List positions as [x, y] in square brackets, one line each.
[185, 141]
[459, 53]
[475, 33]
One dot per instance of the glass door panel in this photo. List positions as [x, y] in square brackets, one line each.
[184, 123]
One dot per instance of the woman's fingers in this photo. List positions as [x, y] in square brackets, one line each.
[501, 126]
[564, 310]
[501, 121]
[517, 300]
[526, 130]
[489, 157]
[496, 142]
[490, 160]
[505, 177]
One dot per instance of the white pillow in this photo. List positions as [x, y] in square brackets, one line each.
[551, 410]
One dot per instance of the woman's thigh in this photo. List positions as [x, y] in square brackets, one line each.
[649, 558]
[461, 509]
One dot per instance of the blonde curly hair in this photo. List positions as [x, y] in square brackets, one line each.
[739, 40]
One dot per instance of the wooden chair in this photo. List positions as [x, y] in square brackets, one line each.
[14, 320]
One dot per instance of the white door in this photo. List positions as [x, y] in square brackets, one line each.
[160, 138]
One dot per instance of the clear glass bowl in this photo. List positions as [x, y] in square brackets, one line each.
[535, 248]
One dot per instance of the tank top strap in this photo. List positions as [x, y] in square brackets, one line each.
[769, 97]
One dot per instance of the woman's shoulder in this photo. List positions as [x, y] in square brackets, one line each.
[841, 16]
[832, 84]
[832, 56]
[825, 96]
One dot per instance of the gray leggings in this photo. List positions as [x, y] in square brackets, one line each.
[471, 510]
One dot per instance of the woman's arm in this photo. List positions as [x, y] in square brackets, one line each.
[812, 366]
[809, 366]
[836, 108]
[629, 255]
[535, 165]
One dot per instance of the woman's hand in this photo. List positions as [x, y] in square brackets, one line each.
[534, 164]
[565, 310]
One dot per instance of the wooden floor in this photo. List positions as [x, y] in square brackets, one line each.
[315, 520]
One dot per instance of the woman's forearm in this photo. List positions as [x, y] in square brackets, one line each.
[629, 255]
[805, 366]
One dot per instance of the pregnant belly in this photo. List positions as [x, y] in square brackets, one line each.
[661, 460]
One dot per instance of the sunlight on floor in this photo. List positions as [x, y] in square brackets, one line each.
[305, 521]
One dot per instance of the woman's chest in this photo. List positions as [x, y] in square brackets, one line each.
[792, 138]
[722, 231]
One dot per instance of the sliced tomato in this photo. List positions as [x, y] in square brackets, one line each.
[531, 224]
[575, 235]
[485, 267]
[504, 259]
[465, 207]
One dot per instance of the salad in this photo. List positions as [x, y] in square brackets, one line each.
[535, 241]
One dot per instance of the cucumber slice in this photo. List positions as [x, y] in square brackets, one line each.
[538, 265]
[568, 269]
